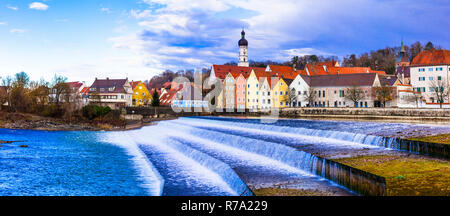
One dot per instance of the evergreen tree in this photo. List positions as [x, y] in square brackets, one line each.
[429, 46]
[155, 99]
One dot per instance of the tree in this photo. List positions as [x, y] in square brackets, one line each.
[3, 95]
[310, 96]
[384, 94]
[155, 99]
[429, 46]
[440, 90]
[354, 94]
[22, 78]
[60, 89]
[294, 61]
[7, 83]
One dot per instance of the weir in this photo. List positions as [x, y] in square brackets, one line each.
[356, 180]
[416, 147]
[217, 166]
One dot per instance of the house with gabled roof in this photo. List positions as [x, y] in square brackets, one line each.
[115, 93]
[141, 95]
[428, 70]
[330, 90]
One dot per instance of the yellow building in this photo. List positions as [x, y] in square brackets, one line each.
[141, 95]
[280, 94]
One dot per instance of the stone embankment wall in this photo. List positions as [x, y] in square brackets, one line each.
[367, 113]
[358, 181]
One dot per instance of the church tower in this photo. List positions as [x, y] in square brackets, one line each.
[402, 58]
[243, 47]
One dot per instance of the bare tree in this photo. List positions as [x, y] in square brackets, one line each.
[60, 88]
[310, 95]
[3, 95]
[355, 94]
[384, 94]
[440, 90]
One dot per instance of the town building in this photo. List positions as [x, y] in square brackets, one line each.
[402, 67]
[330, 90]
[115, 93]
[430, 70]
[141, 95]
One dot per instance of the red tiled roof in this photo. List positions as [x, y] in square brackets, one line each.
[436, 57]
[167, 98]
[286, 72]
[362, 79]
[221, 71]
[134, 84]
[85, 90]
[76, 84]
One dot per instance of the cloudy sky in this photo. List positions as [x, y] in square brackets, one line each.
[84, 39]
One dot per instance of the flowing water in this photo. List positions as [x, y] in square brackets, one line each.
[187, 156]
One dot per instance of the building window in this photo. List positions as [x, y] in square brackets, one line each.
[281, 103]
[281, 93]
[430, 69]
[299, 93]
[323, 93]
[430, 78]
[439, 78]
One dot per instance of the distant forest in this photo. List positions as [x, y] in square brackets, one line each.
[382, 59]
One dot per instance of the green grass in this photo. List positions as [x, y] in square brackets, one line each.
[407, 176]
[441, 138]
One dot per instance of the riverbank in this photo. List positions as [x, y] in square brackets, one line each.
[25, 121]
[407, 175]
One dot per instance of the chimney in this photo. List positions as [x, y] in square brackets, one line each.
[325, 68]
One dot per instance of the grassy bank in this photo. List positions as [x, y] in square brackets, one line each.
[441, 138]
[407, 176]
[290, 192]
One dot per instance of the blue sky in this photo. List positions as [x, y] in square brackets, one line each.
[84, 39]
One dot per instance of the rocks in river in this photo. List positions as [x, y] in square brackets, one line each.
[46, 125]
[23, 146]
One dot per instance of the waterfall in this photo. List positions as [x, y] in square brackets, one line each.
[152, 179]
[222, 169]
[158, 137]
[286, 155]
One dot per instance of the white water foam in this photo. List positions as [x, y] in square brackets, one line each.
[153, 181]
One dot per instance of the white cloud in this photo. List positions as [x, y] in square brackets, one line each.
[12, 7]
[17, 31]
[3, 23]
[38, 6]
[105, 10]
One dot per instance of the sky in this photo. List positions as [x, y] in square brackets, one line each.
[138, 39]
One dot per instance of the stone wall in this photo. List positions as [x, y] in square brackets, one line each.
[375, 112]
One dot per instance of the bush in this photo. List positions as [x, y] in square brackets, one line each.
[51, 110]
[93, 111]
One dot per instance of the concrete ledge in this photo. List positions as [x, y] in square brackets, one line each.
[358, 181]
